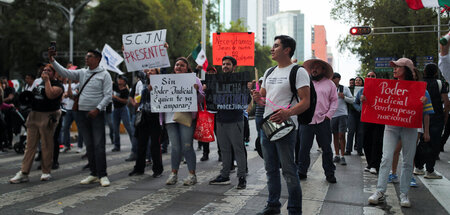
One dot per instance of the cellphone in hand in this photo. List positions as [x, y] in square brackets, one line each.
[53, 45]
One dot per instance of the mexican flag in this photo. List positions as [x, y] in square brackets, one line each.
[199, 56]
[419, 4]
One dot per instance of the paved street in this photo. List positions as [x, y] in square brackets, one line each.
[147, 195]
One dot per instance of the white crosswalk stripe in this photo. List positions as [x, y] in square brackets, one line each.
[440, 188]
[64, 195]
[69, 166]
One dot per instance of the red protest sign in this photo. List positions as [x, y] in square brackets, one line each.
[240, 45]
[393, 102]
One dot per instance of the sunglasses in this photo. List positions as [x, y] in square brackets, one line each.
[371, 76]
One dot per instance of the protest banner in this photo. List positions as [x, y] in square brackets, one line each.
[145, 50]
[111, 59]
[173, 93]
[393, 102]
[227, 91]
[241, 46]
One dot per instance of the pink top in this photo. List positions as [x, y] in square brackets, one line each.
[327, 100]
[4, 106]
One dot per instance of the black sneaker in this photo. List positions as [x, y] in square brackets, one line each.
[135, 172]
[242, 183]
[220, 180]
[55, 165]
[204, 158]
[115, 149]
[157, 174]
[269, 211]
[331, 179]
[336, 159]
[347, 153]
[302, 176]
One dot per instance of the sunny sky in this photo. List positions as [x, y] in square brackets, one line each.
[317, 12]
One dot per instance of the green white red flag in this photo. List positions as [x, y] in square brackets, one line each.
[199, 56]
[419, 4]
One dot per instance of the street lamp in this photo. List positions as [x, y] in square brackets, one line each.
[70, 15]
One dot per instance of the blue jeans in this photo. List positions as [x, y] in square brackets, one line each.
[322, 131]
[93, 131]
[181, 138]
[123, 114]
[276, 152]
[392, 134]
[69, 117]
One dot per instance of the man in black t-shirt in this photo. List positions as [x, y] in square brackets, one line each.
[121, 113]
[41, 124]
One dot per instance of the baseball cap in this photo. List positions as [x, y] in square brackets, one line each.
[403, 62]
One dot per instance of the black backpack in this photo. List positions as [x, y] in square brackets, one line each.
[306, 117]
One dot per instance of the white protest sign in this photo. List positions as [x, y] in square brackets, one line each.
[145, 50]
[173, 93]
[110, 59]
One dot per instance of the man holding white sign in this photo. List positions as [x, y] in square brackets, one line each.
[145, 50]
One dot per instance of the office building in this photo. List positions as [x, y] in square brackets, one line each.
[294, 24]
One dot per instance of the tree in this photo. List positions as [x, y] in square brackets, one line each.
[113, 18]
[384, 13]
[183, 27]
[28, 27]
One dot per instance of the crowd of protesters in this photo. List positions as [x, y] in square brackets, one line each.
[60, 96]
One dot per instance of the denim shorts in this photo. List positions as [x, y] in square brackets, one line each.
[339, 124]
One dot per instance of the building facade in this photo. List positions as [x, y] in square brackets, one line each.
[319, 42]
[294, 24]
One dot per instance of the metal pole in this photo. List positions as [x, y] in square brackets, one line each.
[71, 18]
[203, 33]
[438, 30]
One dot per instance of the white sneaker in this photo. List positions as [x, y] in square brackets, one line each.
[64, 149]
[90, 179]
[373, 170]
[376, 198]
[432, 175]
[190, 180]
[404, 200]
[45, 177]
[104, 181]
[19, 178]
[418, 171]
[80, 150]
[173, 178]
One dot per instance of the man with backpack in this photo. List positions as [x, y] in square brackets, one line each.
[327, 102]
[279, 107]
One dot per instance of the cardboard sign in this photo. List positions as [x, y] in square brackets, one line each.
[173, 93]
[145, 50]
[241, 46]
[227, 91]
[110, 59]
[393, 102]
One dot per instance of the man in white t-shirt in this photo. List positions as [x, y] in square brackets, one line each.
[278, 95]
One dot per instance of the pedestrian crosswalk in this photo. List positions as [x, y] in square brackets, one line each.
[147, 195]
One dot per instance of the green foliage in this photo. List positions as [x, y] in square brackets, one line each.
[27, 26]
[113, 18]
[385, 13]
